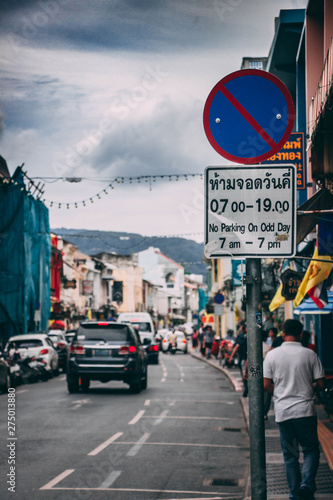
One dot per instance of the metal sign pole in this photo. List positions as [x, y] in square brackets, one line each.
[255, 380]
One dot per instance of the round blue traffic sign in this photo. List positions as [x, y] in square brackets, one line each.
[219, 298]
[248, 116]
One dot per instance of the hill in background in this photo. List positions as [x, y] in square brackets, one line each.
[186, 252]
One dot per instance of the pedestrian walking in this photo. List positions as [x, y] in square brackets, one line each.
[209, 337]
[241, 348]
[201, 338]
[289, 373]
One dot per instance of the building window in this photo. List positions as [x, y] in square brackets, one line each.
[256, 65]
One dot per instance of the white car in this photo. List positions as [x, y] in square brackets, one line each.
[181, 342]
[35, 344]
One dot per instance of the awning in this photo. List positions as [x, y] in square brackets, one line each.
[309, 307]
[312, 211]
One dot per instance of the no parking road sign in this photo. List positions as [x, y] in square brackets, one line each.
[248, 116]
[250, 211]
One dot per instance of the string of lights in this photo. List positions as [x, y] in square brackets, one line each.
[111, 185]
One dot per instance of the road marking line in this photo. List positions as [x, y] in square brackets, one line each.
[137, 446]
[163, 380]
[110, 479]
[105, 444]
[196, 401]
[137, 417]
[147, 402]
[196, 418]
[224, 496]
[57, 479]
[183, 444]
[161, 417]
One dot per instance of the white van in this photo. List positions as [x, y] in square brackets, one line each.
[142, 321]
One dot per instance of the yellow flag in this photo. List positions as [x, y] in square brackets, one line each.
[316, 273]
[277, 300]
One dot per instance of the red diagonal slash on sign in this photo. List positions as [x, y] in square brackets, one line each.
[254, 124]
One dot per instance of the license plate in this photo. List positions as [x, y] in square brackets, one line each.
[101, 352]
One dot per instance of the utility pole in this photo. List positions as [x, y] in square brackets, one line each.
[255, 379]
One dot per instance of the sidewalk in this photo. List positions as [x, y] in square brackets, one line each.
[277, 488]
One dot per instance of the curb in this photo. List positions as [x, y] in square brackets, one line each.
[237, 387]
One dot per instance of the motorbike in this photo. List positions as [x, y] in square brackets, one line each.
[173, 347]
[227, 346]
[27, 370]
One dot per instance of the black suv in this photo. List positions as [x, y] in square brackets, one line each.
[106, 351]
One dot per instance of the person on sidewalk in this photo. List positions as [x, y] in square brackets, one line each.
[209, 337]
[290, 373]
[241, 348]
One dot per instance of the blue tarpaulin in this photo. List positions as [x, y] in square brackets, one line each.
[25, 248]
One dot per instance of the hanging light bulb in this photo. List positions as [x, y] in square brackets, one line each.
[130, 180]
[154, 179]
[92, 201]
[75, 205]
[51, 204]
[59, 206]
[105, 191]
[84, 203]
[67, 205]
[177, 178]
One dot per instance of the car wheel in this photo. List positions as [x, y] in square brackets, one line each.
[144, 382]
[4, 388]
[185, 352]
[135, 387]
[73, 386]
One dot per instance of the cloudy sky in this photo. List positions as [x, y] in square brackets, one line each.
[116, 88]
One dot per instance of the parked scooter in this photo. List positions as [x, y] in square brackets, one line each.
[227, 346]
[25, 370]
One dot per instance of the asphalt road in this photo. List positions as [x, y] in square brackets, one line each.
[182, 438]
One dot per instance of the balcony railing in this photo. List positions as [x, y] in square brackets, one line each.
[323, 91]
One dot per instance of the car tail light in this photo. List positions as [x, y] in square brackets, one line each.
[153, 348]
[77, 349]
[44, 351]
[102, 324]
[184, 341]
[61, 345]
[165, 340]
[125, 350]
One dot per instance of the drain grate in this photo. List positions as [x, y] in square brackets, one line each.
[223, 482]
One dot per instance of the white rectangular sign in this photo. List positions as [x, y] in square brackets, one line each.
[250, 211]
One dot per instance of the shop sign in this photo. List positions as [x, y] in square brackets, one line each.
[87, 287]
[291, 281]
[292, 152]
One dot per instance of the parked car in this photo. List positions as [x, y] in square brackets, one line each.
[5, 380]
[38, 345]
[61, 345]
[181, 342]
[106, 351]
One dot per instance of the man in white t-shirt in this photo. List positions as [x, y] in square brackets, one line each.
[290, 373]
